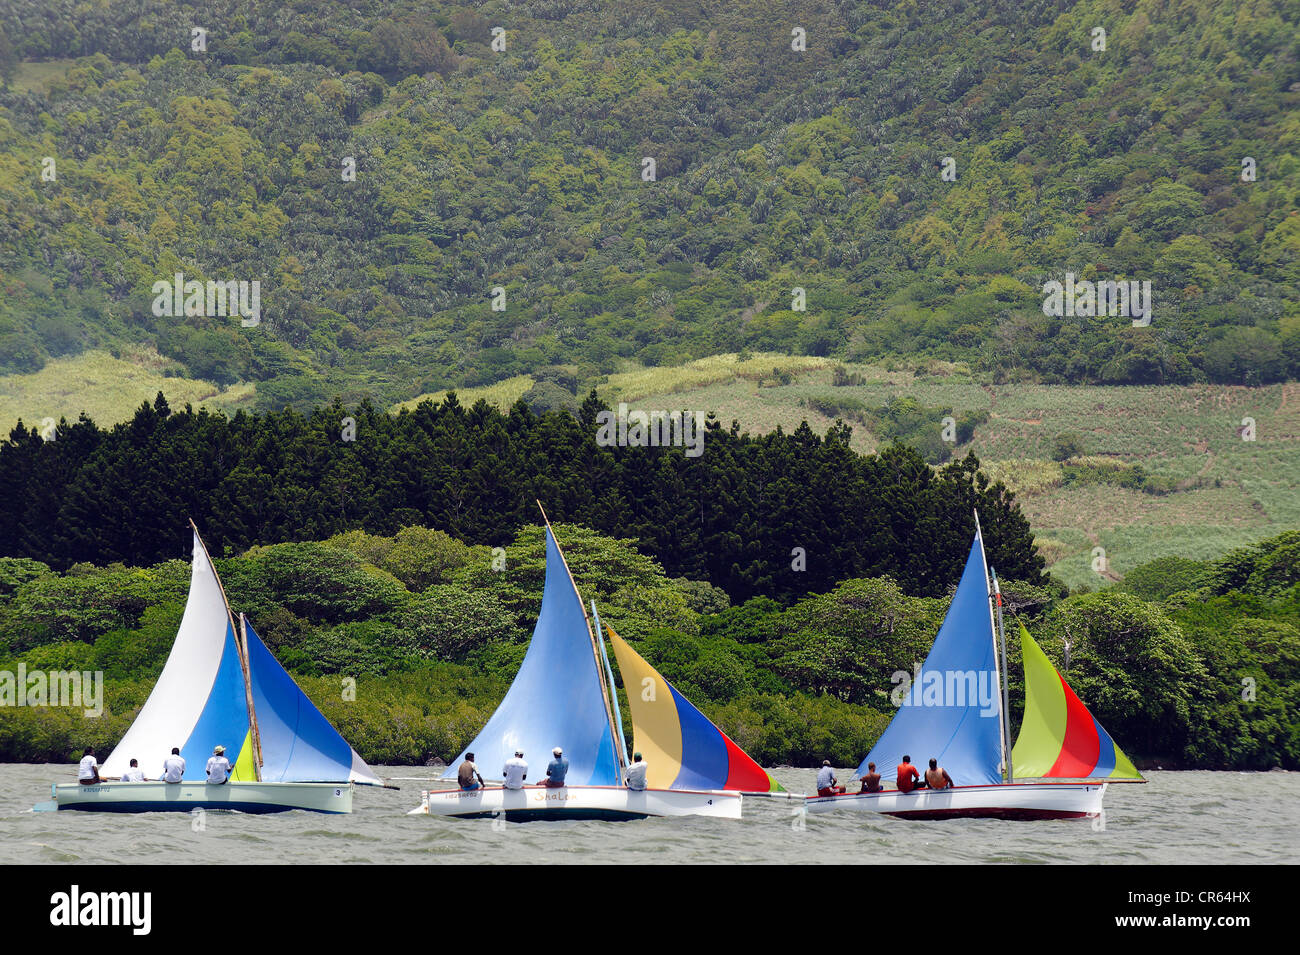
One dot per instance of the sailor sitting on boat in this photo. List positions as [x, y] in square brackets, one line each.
[936, 777]
[515, 771]
[174, 767]
[827, 784]
[88, 771]
[871, 781]
[909, 777]
[468, 775]
[636, 773]
[556, 769]
[218, 766]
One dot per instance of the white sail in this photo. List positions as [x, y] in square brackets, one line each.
[181, 694]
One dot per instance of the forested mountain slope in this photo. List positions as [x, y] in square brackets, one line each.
[774, 169]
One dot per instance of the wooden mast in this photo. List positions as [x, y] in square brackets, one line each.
[999, 659]
[248, 691]
[242, 651]
[595, 655]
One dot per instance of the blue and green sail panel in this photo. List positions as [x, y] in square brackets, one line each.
[950, 710]
[223, 719]
[1058, 736]
[681, 747]
[556, 698]
[298, 744]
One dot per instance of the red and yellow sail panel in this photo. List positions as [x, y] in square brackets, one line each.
[1058, 736]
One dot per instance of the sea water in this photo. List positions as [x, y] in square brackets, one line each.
[1218, 818]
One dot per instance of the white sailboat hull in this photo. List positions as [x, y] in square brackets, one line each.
[188, 796]
[576, 802]
[997, 801]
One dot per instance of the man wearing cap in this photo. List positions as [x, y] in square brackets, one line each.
[218, 766]
[556, 769]
[468, 775]
[516, 771]
[636, 773]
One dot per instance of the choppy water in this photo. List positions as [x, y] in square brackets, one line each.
[1192, 817]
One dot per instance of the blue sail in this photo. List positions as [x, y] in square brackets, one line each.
[556, 698]
[224, 717]
[951, 710]
[298, 743]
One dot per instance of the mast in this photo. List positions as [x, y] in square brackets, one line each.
[614, 735]
[613, 694]
[242, 642]
[1006, 705]
[998, 659]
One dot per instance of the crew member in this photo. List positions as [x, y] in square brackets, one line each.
[936, 777]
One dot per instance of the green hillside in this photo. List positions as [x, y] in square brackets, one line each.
[1164, 470]
[775, 169]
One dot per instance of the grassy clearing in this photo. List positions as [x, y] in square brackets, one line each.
[36, 75]
[108, 389]
[501, 394]
[638, 382]
[644, 382]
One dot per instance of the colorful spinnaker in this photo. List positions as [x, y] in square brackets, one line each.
[681, 747]
[558, 697]
[952, 710]
[1058, 736]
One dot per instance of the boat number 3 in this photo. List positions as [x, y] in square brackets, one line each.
[338, 792]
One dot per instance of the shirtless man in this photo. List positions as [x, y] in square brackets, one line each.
[936, 777]
[871, 781]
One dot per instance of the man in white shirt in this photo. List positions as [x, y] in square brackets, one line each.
[516, 771]
[88, 771]
[636, 773]
[218, 766]
[134, 774]
[174, 767]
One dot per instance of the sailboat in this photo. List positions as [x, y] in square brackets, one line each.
[221, 685]
[564, 695]
[954, 710]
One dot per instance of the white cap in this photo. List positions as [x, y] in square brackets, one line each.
[557, 751]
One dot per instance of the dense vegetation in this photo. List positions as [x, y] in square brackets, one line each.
[775, 169]
[432, 634]
[778, 514]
